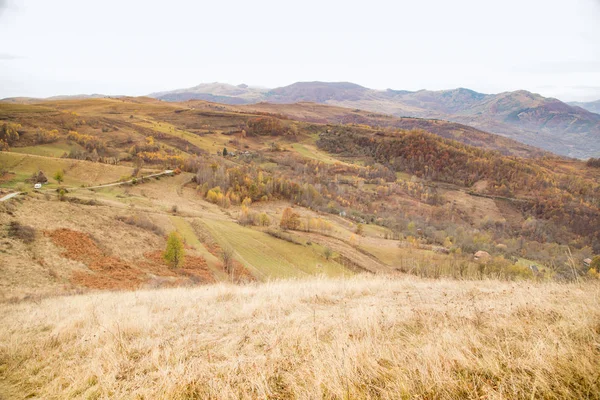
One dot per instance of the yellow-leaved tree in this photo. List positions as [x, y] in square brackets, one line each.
[174, 253]
[290, 220]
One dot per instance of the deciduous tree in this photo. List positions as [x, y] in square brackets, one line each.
[174, 253]
[290, 220]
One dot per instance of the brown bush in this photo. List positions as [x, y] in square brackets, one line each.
[142, 221]
[21, 232]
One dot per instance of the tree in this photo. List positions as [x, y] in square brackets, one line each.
[59, 176]
[174, 253]
[290, 220]
[227, 256]
[264, 219]
[360, 229]
[224, 151]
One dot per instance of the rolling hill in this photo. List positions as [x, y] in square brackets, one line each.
[462, 260]
[529, 118]
[400, 177]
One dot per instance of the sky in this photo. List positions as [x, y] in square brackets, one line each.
[135, 47]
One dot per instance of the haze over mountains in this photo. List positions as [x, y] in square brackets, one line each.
[592, 106]
[571, 130]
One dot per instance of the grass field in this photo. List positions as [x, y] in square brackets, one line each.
[313, 153]
[359, 338]
[48, 150]
[268, 257]
[77, 172]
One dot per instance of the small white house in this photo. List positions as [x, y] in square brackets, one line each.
[37, 186]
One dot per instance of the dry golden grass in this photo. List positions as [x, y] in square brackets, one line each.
[364, 337]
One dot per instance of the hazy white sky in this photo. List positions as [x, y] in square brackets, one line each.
[140, 46]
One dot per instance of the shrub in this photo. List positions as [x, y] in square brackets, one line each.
[21, 232]
[283, 236]
[593, 162]
[142, 221]
[59, 176]
[595, 263]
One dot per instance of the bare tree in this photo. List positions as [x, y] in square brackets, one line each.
[227, 256]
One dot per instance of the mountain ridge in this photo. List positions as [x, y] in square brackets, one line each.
[527, 117]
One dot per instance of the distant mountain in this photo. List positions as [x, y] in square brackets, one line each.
[217, 92]
[527, 117]
[319, 92]
[26, 100]
[591, 106]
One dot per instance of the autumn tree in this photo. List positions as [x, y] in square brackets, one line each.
[174, 253]
[290, 219]
[264, 219]
[9, 133]
[360, 230]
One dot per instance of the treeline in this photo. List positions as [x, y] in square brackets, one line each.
[269, 126]
[430, 157]
[153, 153]
[230, 185]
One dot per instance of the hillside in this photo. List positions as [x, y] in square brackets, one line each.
[367, 195]
[318, 113]
[523, 116]
[324, 251]
[366, 337]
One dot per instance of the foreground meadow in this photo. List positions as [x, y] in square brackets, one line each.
[360, 337]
